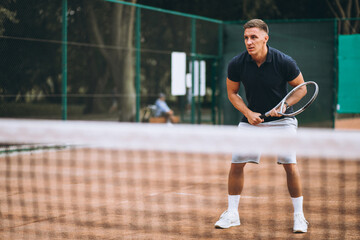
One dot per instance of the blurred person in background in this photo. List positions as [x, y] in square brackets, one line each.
[163, 110]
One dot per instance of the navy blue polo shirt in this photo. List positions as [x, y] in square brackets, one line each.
[265, 86]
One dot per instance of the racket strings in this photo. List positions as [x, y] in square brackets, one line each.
[305, 100]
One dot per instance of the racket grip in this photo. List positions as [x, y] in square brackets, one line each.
[265, 115]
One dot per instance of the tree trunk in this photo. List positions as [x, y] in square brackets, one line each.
[119, 61]
[126, 84]
[346, 12]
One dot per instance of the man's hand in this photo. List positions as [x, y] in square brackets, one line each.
[275, 111]
[254, 118]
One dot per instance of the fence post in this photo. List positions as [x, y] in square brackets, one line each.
[64, 61]
[219, 75]
[193, 52]
[335, 68]
[138, 62]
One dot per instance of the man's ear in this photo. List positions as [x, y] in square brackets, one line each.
[266, 38]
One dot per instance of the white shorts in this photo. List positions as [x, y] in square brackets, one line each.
[286, 125]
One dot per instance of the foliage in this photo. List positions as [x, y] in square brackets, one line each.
[230, 10]
[27, 62]
[97, 62]
[6, 14]
[346, 9]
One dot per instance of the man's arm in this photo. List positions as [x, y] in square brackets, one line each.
[294, 98]
[239, 104]
[164, 107]
[300, 93]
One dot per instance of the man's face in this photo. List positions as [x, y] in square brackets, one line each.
[255, 39]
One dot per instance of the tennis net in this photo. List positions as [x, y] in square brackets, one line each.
[103, 180]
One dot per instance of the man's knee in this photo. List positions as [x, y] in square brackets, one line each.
[291, 169]
[237, 168]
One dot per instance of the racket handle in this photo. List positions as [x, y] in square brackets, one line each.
[262, 116]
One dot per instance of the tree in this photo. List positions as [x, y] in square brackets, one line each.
[346, 9]
[254, 9]
[117, 32]
[100, 53]
[27, 66]
[6, 14]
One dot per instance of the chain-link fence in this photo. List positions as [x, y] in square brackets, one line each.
[109, 60]
[117, 61]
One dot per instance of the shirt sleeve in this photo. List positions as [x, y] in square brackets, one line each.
[164, 107]
[161, 107]
[233, 71]
[290, 69]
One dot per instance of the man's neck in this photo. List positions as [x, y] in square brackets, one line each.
[260, 58]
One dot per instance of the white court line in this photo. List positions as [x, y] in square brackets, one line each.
[252, 197]
[186, 194]
[153, 194]
[192, 194]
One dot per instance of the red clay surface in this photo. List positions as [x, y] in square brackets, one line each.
[136, 195]
[350, 123]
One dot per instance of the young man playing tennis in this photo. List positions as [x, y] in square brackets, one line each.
[265, 73]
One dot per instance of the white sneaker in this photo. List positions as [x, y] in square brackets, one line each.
[228, 219]
[300, 223]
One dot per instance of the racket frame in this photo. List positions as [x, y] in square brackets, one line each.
[282, 102]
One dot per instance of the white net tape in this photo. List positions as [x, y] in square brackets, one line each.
[325, 143]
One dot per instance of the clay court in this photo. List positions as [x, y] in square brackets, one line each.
[348, 123]
[89, 194]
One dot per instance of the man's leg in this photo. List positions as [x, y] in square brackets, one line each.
[293, 180]
[295, 190]
[230, 217]
[170, 118]
[235, 185]
[236, 178]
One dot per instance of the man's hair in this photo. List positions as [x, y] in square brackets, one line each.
[257, 23]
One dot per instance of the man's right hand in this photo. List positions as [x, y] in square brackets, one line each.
[254, 118]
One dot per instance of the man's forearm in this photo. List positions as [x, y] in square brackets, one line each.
[239, 104]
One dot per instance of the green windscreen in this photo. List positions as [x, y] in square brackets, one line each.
[349, 74]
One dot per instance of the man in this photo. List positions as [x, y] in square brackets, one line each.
[163, 110]
[265, 73]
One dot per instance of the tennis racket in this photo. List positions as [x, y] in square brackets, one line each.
[298, 99]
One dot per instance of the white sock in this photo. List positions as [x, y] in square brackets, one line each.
[298, 204]
[233, 202]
